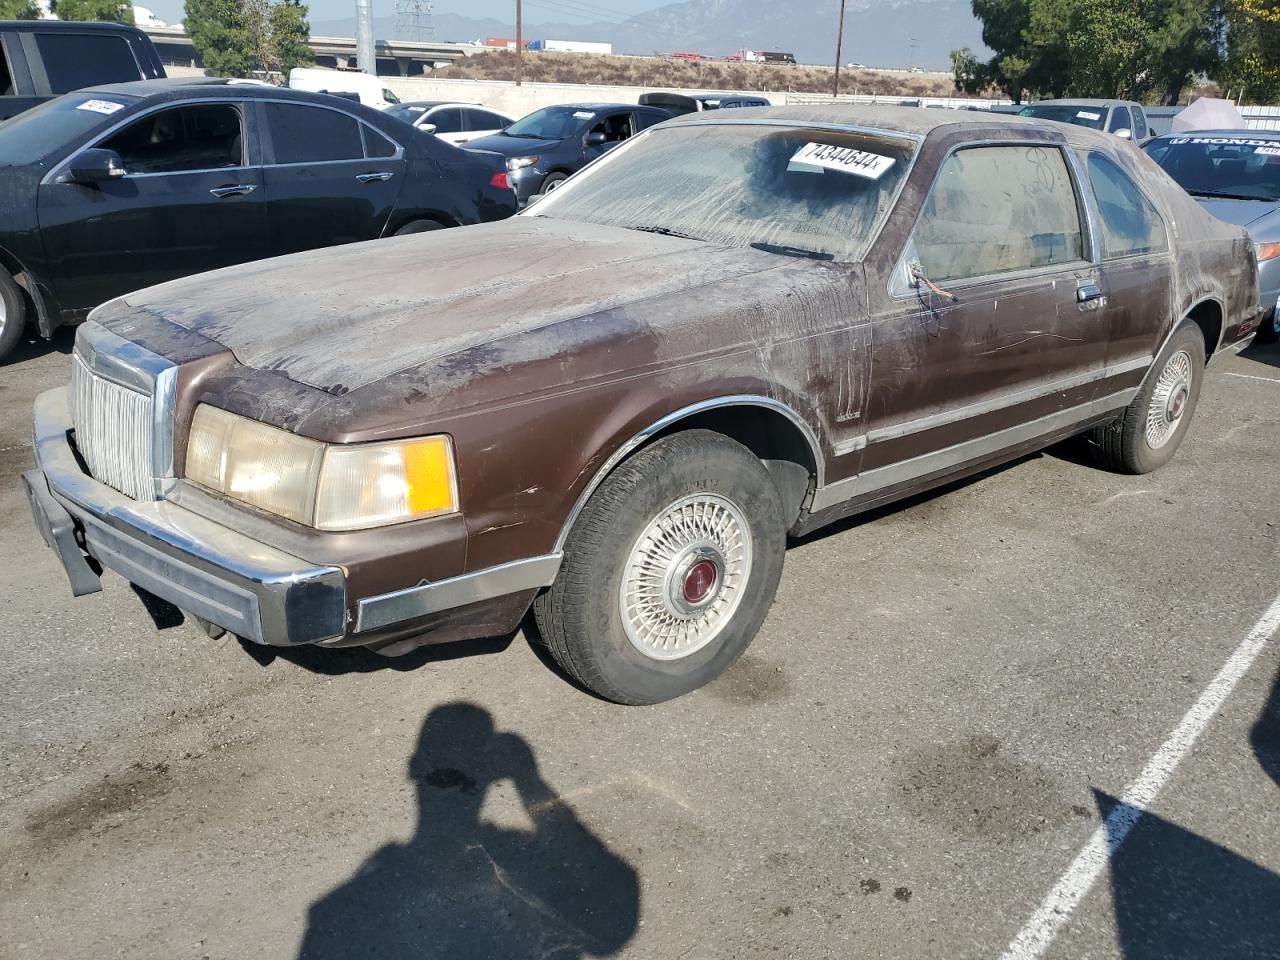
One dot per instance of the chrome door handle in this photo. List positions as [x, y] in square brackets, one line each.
[239, 190]
[1090, 291]
[370, 177]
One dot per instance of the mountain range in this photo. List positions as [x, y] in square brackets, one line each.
[878, 33]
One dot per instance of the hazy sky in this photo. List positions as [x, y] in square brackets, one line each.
[535, 11]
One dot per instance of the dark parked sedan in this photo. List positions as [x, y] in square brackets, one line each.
[549, 145]
[616, 406]
[124, 186]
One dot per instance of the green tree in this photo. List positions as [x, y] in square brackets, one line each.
[101, 11]
[1252, 67]
[18, 10]
[237, 37]
[1106, 49]
[290, 36]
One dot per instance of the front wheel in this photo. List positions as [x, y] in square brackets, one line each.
[668, 572]
[1146, 435]
[553, 181]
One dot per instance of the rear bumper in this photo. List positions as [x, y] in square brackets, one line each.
[253, 590]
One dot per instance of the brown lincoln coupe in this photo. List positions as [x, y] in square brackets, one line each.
[617, 406]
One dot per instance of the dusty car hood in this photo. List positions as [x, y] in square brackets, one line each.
[341, 318]
[1244, 213]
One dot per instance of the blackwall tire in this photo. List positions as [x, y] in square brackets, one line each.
[668, 572]
[1146, 436]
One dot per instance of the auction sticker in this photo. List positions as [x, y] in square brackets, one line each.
[584, 114]
[843, 159]
[106, 107]
[1086, 115]
[1267, 151]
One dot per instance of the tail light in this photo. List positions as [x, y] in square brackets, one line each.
[501, 180]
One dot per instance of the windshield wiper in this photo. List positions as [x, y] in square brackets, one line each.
[667, 232]
[1228, 196]
[789, 251]
[525, 136]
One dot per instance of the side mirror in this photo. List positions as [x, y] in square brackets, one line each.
[596, 138]
[427, 127]
[94, 166]
[1124, 133]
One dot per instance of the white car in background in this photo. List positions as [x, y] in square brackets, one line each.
[452, 122]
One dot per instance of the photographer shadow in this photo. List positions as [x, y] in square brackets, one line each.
[468, 889]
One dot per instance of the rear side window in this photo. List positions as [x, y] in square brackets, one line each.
[303, 134]
[75, 60]
[647, 118]
[1130, 224]
[1120, 120]
[999, 209]
[207, 136]
[6, 76]
[375, 144]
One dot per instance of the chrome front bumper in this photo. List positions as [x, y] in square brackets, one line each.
[251, 589]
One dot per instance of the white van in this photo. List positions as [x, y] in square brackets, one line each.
[362, 87]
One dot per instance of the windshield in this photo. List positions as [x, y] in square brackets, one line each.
[56, 124]
[1091, 117]
[788, 189]
[406, 112]
[1239, 168]
[551, 123]
[388, 96]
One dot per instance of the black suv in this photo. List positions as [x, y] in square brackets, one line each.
[42, 59]
[111, 189]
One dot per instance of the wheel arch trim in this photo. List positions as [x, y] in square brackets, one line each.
[671, 419]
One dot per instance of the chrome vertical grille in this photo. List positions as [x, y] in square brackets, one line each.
[113, 431]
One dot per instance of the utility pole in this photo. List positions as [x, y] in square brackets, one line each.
[519, 44]
[912, 63]
[366, 58]
[835, 87]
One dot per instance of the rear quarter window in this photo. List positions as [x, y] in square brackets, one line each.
[72, 61]
[1130, 223]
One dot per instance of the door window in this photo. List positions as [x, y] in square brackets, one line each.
[998, 209]
[304, 134]
[1120, 120]
[6, 78]
[615, 128]
[75, 60]
[1130, 224]
[206, 136]
[446, 120]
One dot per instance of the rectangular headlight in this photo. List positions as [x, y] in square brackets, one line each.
[327, 486]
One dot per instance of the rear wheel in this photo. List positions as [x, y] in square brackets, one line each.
[669, 571]
[1146, 435]
[13, 314]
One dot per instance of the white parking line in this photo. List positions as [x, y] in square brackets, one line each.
[1054, 912]
[1250, 376]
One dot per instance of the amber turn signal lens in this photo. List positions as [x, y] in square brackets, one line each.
[1267, 251]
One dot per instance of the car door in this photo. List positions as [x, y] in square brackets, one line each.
[1137, 268]
[190, 200]
[329, 179]
[988, 334]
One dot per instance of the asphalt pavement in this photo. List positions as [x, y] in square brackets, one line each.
[948, 699]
